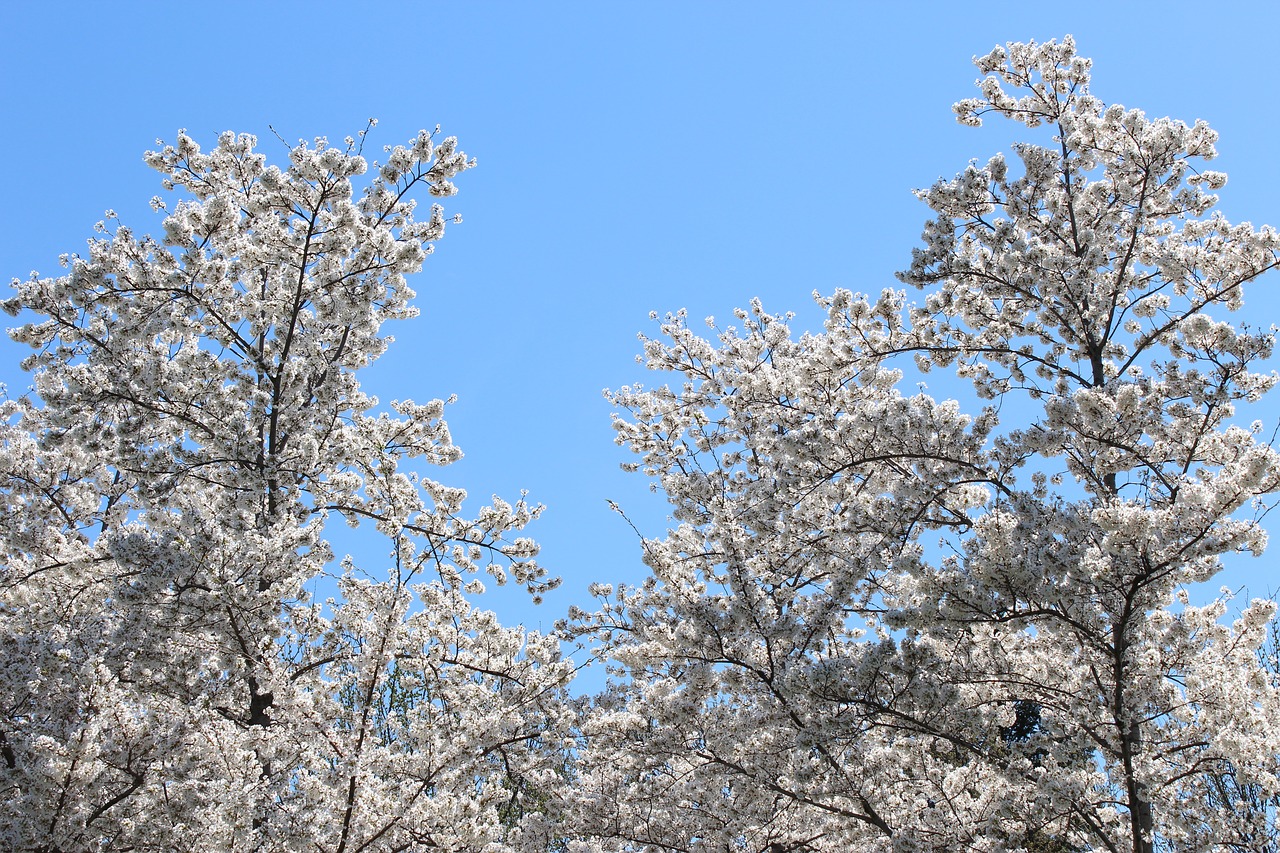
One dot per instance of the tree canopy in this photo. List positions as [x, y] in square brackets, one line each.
[879, 621]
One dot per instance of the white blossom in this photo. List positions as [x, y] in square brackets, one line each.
[881, 623]
[196, 422]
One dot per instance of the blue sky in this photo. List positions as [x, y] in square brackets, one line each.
[632, 157]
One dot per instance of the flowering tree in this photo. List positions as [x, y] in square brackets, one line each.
[885, 624]
[168, 684]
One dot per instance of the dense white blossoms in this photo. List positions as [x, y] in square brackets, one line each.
[884, 624]
[197, 418]
[880, 622]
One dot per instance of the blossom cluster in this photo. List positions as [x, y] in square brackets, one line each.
[879, 621]
[882, 623]
[196, 420]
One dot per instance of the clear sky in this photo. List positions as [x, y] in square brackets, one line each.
[632, 157]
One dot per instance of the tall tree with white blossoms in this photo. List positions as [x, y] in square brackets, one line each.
[884, 624]
[167, 683]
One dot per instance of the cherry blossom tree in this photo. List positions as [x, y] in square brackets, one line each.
[884, 623]
[195, 422]
[881, 622]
